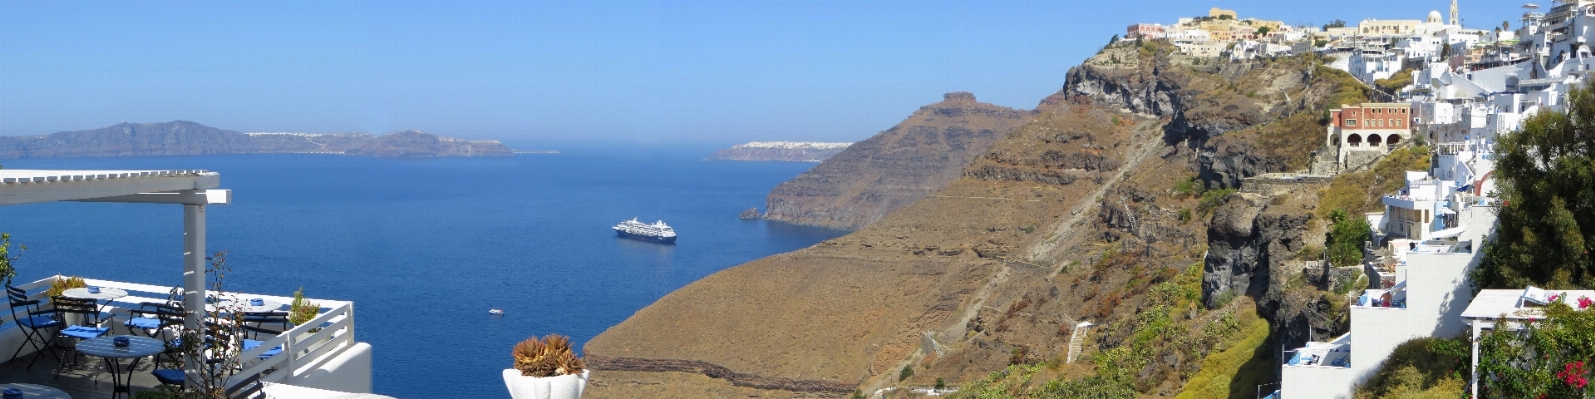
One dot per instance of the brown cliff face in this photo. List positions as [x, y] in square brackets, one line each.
[896, 167]
[189, 138]
[1067, 218]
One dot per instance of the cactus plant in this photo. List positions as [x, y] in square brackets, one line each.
[546, 357]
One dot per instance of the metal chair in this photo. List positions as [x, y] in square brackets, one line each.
[90, 319]
[32, 320]
[269, 323]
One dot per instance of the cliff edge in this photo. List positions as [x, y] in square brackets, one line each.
[894, 168]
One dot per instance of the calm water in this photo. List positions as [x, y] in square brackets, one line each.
[425, 247]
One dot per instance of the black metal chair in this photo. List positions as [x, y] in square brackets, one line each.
[33, 321]
[268, 323]
[88, 312]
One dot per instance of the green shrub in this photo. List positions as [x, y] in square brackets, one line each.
[1187, 187]
[1185, 215]
[908, 371]
[1421, 368]
[1346, 238]
[1211, 199]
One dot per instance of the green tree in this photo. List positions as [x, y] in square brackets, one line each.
[1545, 175]
[1336, 24]
[908, 371]
[1346, 238]
[1263, 31]
[7, 271]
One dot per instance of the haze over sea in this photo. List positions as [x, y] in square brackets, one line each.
[425, 247]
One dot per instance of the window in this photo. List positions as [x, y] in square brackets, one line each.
[1351, 122]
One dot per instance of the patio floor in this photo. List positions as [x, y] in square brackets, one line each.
[88, 380]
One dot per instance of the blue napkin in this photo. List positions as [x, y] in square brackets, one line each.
[119, 341]
[12, 393]
[257, 302]
[94, 290]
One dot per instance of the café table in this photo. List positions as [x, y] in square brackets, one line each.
[246, 305]
[36, 391]
[137, 349]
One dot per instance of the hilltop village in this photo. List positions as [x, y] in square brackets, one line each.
[1436, 82]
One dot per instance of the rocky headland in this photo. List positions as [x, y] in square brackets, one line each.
[894, 168]
[787, 151]
[189, 138]
[1071, 216]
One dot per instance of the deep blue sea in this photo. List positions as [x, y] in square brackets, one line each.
[425, 247]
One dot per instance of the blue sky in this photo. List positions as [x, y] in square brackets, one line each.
[608, 71]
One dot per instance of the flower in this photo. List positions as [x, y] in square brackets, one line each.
[1584, 302]
[1554, 297]
[1574, 374]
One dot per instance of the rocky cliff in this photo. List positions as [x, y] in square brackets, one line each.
[189, 138]
[874, 177]
[1067, 218]
[786, 151]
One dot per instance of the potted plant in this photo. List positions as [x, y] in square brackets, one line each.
[546, 369]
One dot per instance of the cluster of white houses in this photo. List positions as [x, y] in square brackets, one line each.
[1468, 88]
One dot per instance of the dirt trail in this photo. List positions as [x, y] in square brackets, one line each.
[1148, 144]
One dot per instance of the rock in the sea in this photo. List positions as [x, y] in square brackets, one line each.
[750, 213]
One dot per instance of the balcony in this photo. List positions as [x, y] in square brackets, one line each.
[1332, 354]
[322, 352]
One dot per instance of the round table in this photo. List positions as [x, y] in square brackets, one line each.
[243, 305]
[137, 349]
[105, 294]
[36, 391]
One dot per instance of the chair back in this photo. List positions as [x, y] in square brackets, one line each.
[19, 298]
[271, 323]
[86, 308]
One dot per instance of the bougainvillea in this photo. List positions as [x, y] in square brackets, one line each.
[1546, 357]
[1574, 375]
[1584, 302]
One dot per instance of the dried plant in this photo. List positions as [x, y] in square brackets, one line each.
[546, 357]
[61, 284]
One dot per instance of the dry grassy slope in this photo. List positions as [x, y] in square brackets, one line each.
[1078, 180]
[895, 167]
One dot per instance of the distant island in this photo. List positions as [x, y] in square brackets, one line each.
[790, 151]
[189, 138]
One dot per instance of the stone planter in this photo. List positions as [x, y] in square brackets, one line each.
[561, 387]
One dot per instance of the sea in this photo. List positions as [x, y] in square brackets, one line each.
[425, 247]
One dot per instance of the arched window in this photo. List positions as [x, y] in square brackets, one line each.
[1354, 140]
[1373, 140]
[1393, 139]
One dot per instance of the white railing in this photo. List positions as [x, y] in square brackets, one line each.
[305, 347]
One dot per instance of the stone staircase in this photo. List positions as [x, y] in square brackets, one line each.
[1074, 341]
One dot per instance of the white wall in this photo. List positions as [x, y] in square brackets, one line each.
[1310, 382]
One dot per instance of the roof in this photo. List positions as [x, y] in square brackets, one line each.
[1490, 304]
[23, 186]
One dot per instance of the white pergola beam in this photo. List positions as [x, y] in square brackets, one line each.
[24, 186]
[186, 197]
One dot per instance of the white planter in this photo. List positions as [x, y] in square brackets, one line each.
[561, 387]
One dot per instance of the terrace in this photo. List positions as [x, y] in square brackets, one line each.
[1335, 354]
[317, 358]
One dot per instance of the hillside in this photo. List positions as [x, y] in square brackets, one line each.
[189, 138]
[894, 168]
[1072, 216]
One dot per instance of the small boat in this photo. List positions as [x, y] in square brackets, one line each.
[495, 312]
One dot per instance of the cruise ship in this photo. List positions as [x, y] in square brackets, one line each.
[657, 232]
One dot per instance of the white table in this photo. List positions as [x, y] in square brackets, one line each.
[137, 349]
[36, 391]
[244, 305]
[105, 294]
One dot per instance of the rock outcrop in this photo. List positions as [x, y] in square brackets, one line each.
[189, 138]
[874, 177]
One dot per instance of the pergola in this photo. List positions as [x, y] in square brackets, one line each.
[193, 189]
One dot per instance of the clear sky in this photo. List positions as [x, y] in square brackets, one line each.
[607, 71]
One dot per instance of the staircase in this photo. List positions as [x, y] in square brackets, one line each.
[1074, 341]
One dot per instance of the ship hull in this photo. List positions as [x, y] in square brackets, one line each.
[661, 240]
